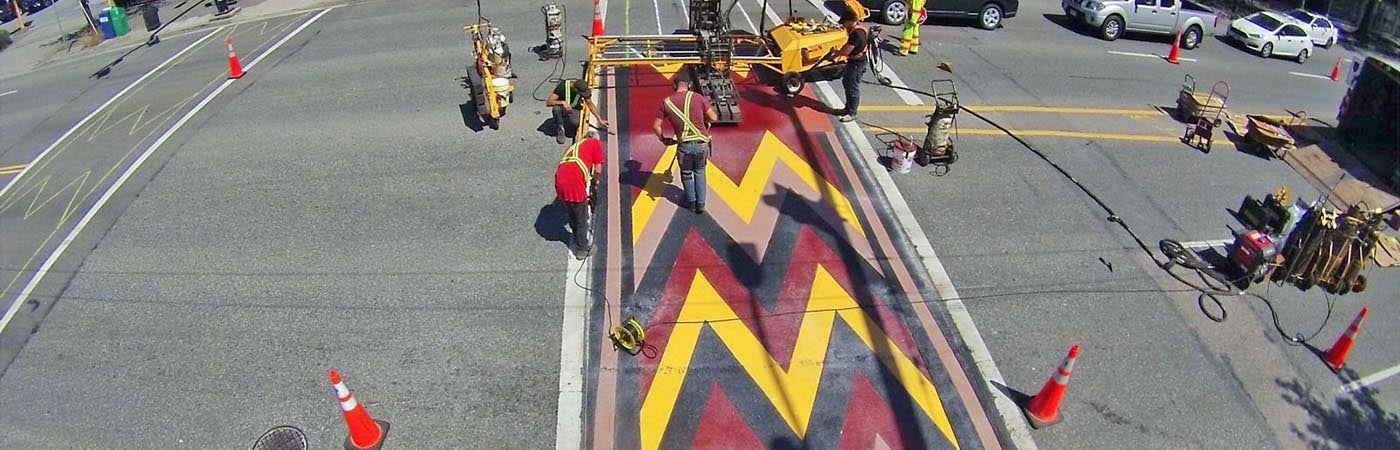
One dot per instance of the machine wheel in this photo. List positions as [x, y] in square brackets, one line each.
[791, 83]
[493, 122]
[1191, 38]
[1267, 50]
[1302, 56]
[1112, 28]
[990, 18]
[895, 12]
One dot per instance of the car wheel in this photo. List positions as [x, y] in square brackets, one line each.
[1191, 38]
[1302, 56]
[991, 17]
[1112, 28]
[1330, 42]
[895, 12]
[1267, 50]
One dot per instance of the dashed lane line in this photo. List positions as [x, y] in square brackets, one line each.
[1320, 77]
[1148, 55]
[1367, 381]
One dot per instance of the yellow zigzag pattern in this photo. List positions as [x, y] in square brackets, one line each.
[793, 392]
[745, 196]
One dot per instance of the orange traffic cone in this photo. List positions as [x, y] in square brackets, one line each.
[1176, 49]
[1338, 354]
[235, 68]
[1337, 70]
[365, 432]
[597, 20]
[1044, 408]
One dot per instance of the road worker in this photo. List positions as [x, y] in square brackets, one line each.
[690, 115]
[857, 42]
[570, 97]
[917, 14]
[575, 182]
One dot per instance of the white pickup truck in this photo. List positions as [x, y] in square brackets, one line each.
[1114, 17]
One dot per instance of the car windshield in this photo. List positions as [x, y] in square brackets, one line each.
[1301, 15]
[1269, 23]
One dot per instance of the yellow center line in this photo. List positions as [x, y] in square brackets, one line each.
[6, 170]
[1049, 133]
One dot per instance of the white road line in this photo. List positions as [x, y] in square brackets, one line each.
[1368, 380]
[656, 6]
[99, 109]
[1208, 244]
[909, 98]
[1320, 77]
[1017, 428]
[107, 195]
[7, 93]
[572, 348]
[771, 14]
[745, 12]
[1148, 55]
[684, 12]
[825, 12]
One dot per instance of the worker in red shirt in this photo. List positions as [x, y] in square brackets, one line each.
[575, 182]
[690, 115]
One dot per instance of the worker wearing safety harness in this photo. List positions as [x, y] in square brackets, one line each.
[917, 14]
[690, 116]
[575, 182]
[570, 97]
[857, 41]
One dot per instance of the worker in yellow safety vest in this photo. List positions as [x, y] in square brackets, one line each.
[575, 182]
[917, 14]
[570, 97]
[690, 116]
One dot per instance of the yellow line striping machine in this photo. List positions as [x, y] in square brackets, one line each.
[489, 74]
[797, 50]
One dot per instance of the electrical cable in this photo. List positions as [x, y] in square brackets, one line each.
[1176, 253]
[556, 73]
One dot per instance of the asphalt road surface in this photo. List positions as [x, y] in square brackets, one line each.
[185, 257]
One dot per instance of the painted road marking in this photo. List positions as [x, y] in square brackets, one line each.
[8, 170]
[1368, 380]
[748, 18]
[769, 10]
[1047, 133]
[2, 94]
[99, 109]
[1017, 428]
[1148, 55]
[1025, 109]
[656, 7]
[573, 345]
[1320, 77]
[1208, 244]
[831, 16]
[140, 160]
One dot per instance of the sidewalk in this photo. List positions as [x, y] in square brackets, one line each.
[51, 35]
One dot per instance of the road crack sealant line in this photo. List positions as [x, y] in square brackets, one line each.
[1176, 253]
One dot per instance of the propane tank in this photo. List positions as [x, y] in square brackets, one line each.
[498, 53]
[940, 125]
[553, 31]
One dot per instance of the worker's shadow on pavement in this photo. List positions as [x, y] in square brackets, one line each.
[550, 127]
[552, 223]
[633, 175]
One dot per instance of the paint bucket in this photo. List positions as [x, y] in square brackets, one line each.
[903, 157]
[501, 86]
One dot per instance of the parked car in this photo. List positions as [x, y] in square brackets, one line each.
[7, 13]
[1270, 33]
[1320, 28]
[988, 13]
[32, 6]
[1114, 17]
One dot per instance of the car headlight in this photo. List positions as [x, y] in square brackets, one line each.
[1252, 35]
[1093, 5]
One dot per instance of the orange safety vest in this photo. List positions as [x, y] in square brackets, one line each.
[859, 52]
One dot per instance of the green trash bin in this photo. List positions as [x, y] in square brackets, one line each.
[119, 21]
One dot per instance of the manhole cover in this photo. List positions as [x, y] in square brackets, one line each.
[282, 438]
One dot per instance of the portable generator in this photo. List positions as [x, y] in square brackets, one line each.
[1251, 255]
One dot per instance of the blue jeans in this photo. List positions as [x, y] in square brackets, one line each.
[693, 156]
[850, 79]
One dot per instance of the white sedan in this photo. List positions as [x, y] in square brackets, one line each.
[1271, 33]
[1321, 29]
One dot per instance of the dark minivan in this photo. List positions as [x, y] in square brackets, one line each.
[988, 13]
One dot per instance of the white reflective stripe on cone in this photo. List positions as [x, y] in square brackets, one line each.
[348, 404]
[1062, 375]
[341, 391]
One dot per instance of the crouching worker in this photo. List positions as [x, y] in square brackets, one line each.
[569, 97]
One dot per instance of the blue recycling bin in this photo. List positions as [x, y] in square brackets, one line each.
[104, 20]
